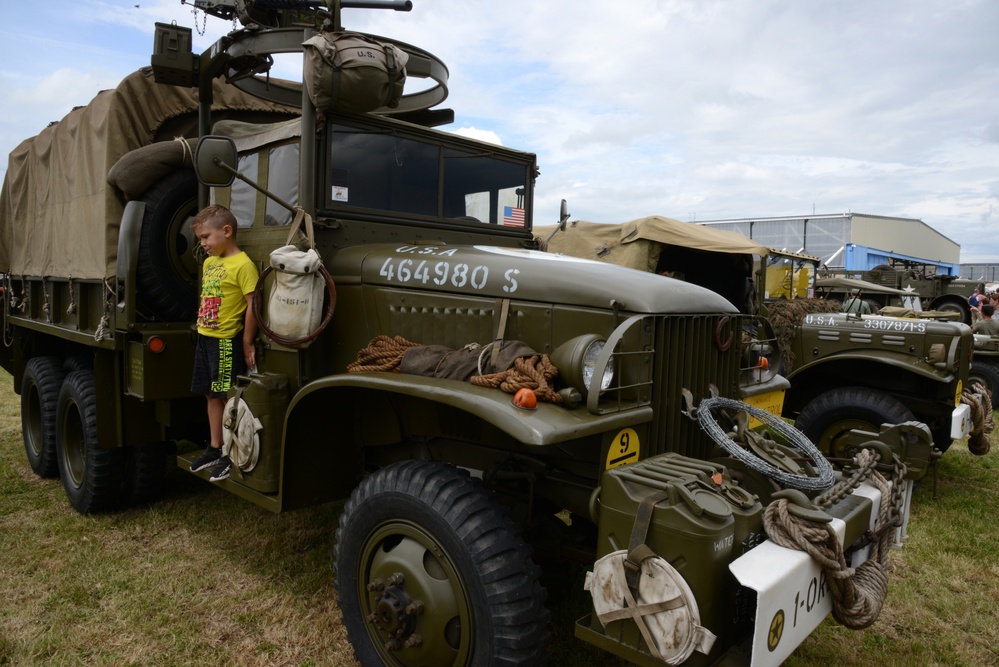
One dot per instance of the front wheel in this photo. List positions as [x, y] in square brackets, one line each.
[91, 476]
[828, 418]
[988, 375]
[431, 571]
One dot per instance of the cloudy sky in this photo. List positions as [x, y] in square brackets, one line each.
[692, 109]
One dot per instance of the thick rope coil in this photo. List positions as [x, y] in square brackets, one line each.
[858, 594]
[979, 398]
[383, 353]
[536, 373]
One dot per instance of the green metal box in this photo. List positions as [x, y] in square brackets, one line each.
[705, 521]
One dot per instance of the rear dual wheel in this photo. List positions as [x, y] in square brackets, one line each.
[431, 571]
[39, 396]
[91, 476]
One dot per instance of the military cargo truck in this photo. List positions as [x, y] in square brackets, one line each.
[456, 489]
[845, 371]
[938, 291]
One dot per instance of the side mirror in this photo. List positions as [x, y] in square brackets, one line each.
[563, 217]
[215, 160]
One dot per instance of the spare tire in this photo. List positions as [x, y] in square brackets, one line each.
[167, 269]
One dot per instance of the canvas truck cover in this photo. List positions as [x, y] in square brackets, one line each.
[716, 259]
[639, 243]
[58, 214]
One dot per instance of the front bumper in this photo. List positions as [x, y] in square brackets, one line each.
[960, 422]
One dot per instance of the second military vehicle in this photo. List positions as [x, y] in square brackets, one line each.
[845, 371]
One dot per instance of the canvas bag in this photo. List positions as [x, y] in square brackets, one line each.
[353, 73]
[241, 434]
[295, 304]
[662, 606]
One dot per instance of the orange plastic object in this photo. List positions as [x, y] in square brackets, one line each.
[525, 398]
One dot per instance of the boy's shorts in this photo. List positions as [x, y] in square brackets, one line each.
[217, 362]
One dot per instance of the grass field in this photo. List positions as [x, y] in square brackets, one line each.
[203, 578]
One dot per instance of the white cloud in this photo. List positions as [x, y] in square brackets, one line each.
[687, 108]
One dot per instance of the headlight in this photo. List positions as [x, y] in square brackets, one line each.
[576, 361]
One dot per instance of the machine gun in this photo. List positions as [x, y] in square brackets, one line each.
[323, 14]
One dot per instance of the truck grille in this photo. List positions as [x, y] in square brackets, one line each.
[656, 357]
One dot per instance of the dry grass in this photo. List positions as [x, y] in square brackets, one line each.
[203, 578]
[199, 578]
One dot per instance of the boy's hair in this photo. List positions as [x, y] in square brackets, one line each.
[215, 216]
[988, 310]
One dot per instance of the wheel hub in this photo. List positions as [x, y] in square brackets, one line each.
[395, 613]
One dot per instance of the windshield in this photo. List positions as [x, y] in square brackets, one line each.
[382, 171]
[789, 277]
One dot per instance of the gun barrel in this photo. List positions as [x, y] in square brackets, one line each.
[397, 5]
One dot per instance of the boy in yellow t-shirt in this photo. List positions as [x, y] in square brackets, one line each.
[226, 326]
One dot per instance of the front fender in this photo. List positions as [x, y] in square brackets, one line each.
[548, 424]
[875, 357]
[331, 421]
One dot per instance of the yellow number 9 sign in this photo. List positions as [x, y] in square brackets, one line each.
[624, 449]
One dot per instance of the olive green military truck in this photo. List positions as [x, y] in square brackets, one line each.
[845, 371]
[939, 292]
[620, 458]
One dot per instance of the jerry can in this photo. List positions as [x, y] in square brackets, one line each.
[266, 395]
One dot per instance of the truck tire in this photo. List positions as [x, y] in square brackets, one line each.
[988, 375]
[955, 307]
[167, 270]
[91, 476]
[39, 397]
[828, 418]
[458, 554]
[145, 470]
[78, 362]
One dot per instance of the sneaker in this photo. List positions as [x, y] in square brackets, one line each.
[207, 459]
[221, 469]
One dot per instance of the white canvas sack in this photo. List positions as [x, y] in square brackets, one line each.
[241, 434]
[295, 304]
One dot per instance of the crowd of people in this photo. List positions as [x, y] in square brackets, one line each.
[983, 308]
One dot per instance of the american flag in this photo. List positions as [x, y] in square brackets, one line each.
[513, 216]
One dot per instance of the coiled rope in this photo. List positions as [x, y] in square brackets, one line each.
[979, 398]
[858, 594]
[537, 373]
[383, 353]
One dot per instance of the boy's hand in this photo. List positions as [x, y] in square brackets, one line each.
[250, 356]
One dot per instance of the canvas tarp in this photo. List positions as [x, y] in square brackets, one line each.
[638, 244]
[58, 215]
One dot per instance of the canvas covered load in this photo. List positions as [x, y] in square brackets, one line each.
[719, 260]
[58, 214]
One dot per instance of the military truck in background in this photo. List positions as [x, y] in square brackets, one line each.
[456, 492]
[939, 292]
[845, 371]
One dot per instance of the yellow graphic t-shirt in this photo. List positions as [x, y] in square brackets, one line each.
[225, 282]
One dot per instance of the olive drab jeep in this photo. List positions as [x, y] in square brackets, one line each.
[485, 408]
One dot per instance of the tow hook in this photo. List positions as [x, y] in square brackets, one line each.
[395, 613]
